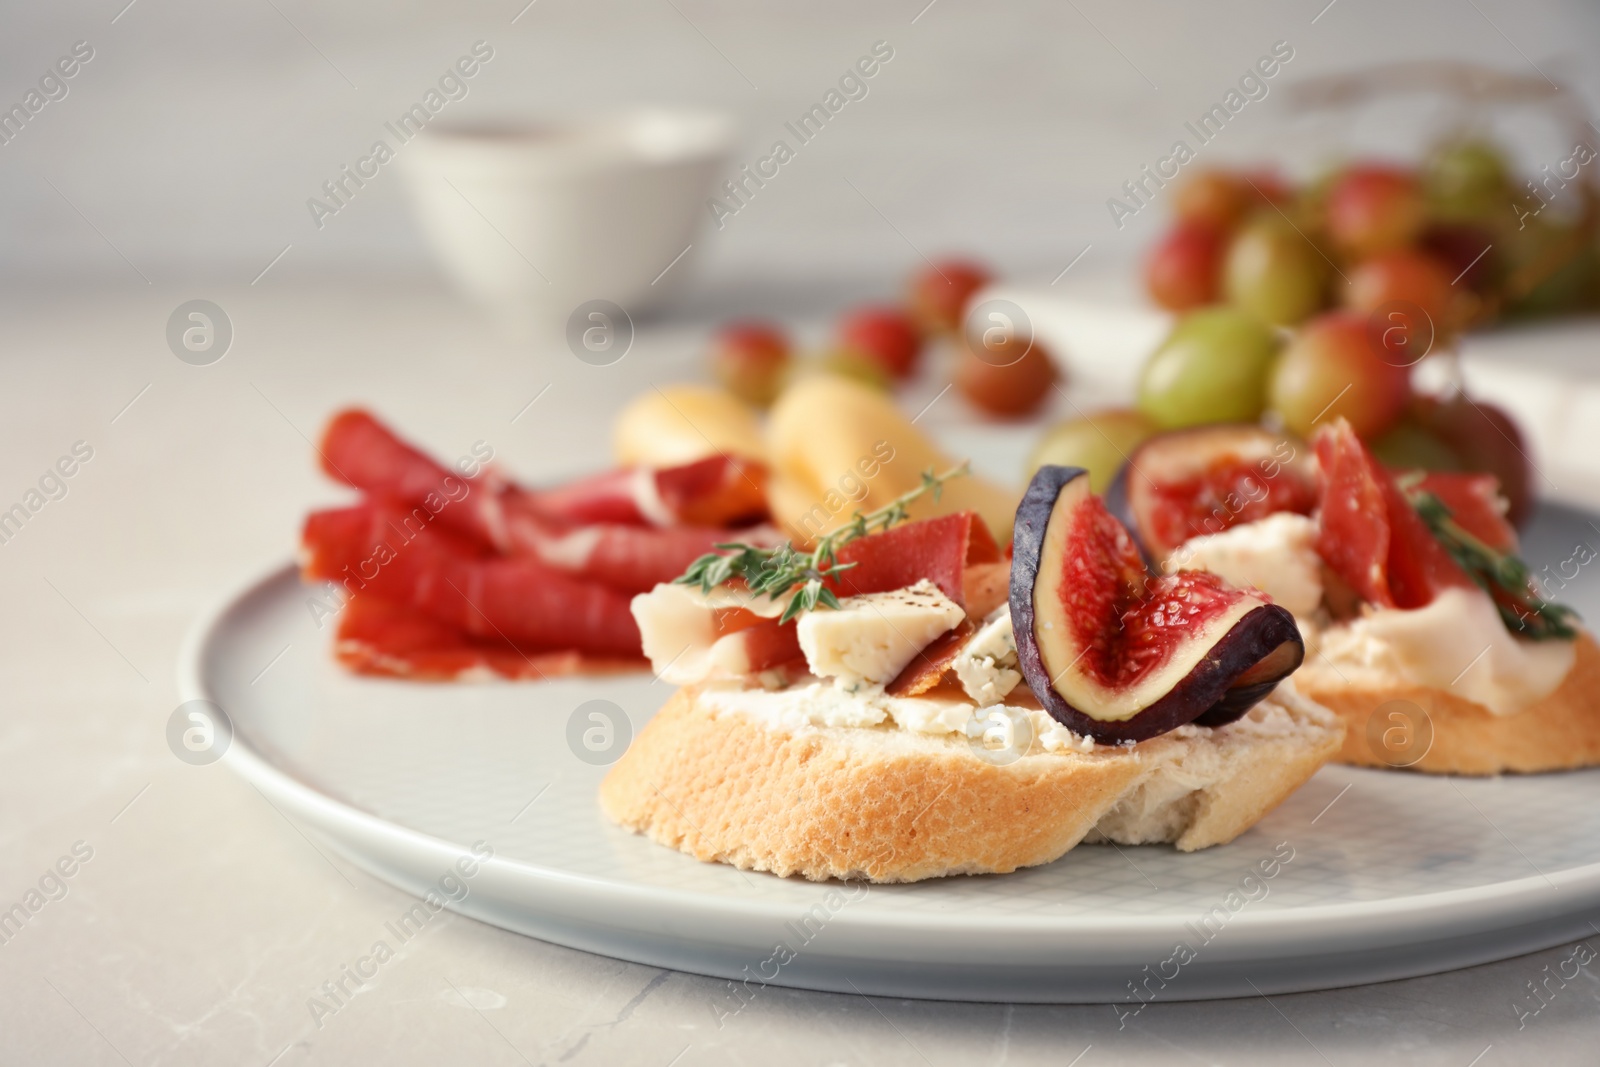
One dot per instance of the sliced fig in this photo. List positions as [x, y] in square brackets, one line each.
[1121, 655]
[1191, 482]
[1255, 684]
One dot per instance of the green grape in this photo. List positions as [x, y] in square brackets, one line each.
[1212, 367]
[1467, 181]
[1409, 446]
[1274, 272]
[1098, 442]
[1569, 287]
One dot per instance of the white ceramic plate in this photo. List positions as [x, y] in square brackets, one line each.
[1392, 874]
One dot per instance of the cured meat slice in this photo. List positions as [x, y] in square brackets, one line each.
[935, 549]
[1352, 531]
[371, 548]
[630, 558]
[981, 545]
[381, 637]
[1419, 567]
[622, 552]
[1476, 504]
[456, 572]
[927, 670]
[360, 451]
[760, 646]
[715, 491]
[1370, 535]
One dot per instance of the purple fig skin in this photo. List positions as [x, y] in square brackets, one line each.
[1256, 684]
[1192, 449]
[1258, 635]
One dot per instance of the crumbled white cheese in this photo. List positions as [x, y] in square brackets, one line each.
[1276, 555]
[987, 664]
[870, 638]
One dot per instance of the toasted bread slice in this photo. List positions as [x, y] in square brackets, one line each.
[886, 804]
[1458, 736]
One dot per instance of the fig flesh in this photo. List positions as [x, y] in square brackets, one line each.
[1119, 654]
[1202, 481]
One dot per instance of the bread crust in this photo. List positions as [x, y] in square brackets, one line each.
[1560, 732]
[888, 805]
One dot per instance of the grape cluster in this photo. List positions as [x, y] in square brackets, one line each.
[1313, 303]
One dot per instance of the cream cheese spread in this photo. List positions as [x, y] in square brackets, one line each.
[1458, 644]
[836, 703]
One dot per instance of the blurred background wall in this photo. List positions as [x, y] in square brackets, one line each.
[188, 146]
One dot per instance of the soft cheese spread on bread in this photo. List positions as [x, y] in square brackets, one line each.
[1457, 643]
[831, 703]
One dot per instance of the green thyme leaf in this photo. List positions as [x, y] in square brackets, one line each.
[1503, 576]
[775, 571]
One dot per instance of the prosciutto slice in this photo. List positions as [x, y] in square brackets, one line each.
[377, 549]
[360, 451]
[629, 558]
[627, 529]
[716, 491]
[382, 637]
[1369, 534]
[936, 549]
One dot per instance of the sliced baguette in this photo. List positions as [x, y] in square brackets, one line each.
[1560, 732]
[888, 805]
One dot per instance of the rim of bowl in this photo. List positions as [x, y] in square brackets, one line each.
[630, 138]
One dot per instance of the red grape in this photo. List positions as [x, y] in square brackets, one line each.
[750, 360]
[1331, 368]
[1400, 275]
[1372, 208]
[1408, 300]
[939, 293]
[1467, 254]
[1212, 198]
[1004, 384]
[885, 335]
[1184, 270]
[1486, 439]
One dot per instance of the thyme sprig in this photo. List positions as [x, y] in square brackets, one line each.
[775, 571]
[1504, 577]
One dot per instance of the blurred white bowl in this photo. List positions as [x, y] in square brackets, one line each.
[537, 221]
